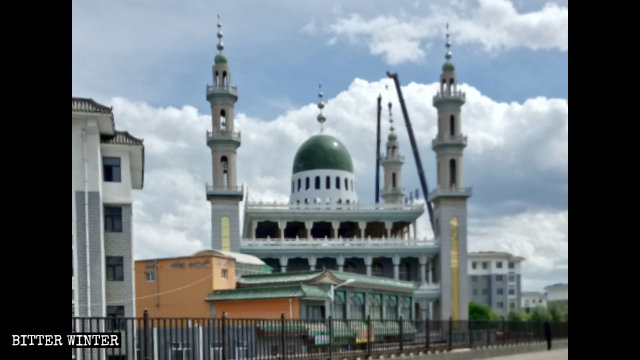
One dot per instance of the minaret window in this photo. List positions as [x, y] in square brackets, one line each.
[317, 182]
[452, 125]
[225, 168]
[223, 120]
[299, 184]
[346, 184]
[216, 80]
[224, 79]
[393, 180]
[328, 183]
[306, 183]
[452, 173]
[337, 183]
[393, 151]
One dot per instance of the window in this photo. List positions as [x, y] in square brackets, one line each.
[299, 185]
[115, 268]
[150, 276]
[317, 182]
[512, 278]
[500, 305]
[337, 183]
[115, 315]
[224, 273]
[405, 308]
[306, 183]
[485, 265]
[500, 291]
[112, 219]
[485, 291]
[475, 291]
[375, 306]
[473, 265]
[474, 278]
[346, 184]
[512, 291]
[356, 306]
[223, 120]
[512, 265]
[499, 264]
[512, 305]
[111, 169]
[393, 179]
[391, 308]
[452, 122]
[315, 312]
[499, 278]
[328, 183]
[452, 173]
[338, 305]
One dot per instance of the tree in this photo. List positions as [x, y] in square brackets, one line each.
[540, 314]
[480, 312]
[559, 312]
[515, 315]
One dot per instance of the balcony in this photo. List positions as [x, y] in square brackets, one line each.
[232, 191]
[459, 140]
[216, 90]
[338, 207]
[450, 192]
[318, 243]
[223, 135]
[454, 97]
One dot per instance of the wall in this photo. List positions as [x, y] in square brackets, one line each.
[182, 284]
[259, 309]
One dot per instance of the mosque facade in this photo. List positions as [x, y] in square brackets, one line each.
[324, 225]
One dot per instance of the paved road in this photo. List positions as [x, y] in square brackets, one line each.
[559, 354]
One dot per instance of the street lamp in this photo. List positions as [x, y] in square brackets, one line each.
[333, 288]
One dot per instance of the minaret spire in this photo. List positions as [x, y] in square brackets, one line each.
[321, 118]
[220, 44]
[448, 45]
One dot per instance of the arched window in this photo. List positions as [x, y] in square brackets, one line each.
[224, 79]
[338, 308]
[306, 183]
[347, 201]
[391, 308]
[452, 173]
[225, 171]
[356, 305]
[346, 184]
[328, 183]
[375, 306]
[317, 182]
[452, 125]
[337, 182]
[393, 179]
[216, 79]
[393, 150]
[223, 120]
[299, 185]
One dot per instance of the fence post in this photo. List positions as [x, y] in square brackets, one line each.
[282, 336]
[504, 332]
[450, 333]
[470, 328]
[427, 333]
[488, 336]
[330, 336]
[146, 334]
[369, 329]
[401, 342]
[223, 330]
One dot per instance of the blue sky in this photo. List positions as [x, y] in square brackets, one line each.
[151, 61]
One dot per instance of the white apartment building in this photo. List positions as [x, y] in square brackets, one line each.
[495, 280]
[106, 165]
[557, 292]
[532, 299]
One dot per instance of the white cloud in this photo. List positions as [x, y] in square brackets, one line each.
[512, 148]
[495, 24]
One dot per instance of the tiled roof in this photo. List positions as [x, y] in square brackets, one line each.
[268, 292]
[88, 105]
[309, 277]
[121, 138]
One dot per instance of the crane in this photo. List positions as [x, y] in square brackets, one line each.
[416, 155]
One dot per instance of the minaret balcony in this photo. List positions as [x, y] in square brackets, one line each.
[393, 192]
[450, 192]
[223, 135]
[451, 97]
[222, 89]
[457, 140]
[392, 158]
[225, 191]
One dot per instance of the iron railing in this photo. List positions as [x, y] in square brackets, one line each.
[278, 339]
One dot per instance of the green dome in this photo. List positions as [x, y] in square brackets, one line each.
[392, 137]
[448, 66]
[322, 152]
[220, 59]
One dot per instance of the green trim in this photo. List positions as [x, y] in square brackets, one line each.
[269, 292]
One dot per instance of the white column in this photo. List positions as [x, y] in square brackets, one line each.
[368, 260]
[283, 263]
[387, 227]
[335, 225]
[281, 226]
[362, 225]
[312, 262]
[430, 267]
[308, 225]
[423, 269]
[340, 262]
[396, 263]
[415, 229]
[254, 225]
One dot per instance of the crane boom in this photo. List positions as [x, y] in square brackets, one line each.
[416, 155]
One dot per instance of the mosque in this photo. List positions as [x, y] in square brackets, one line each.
[324, 225]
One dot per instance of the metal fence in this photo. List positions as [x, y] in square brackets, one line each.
[239, 339]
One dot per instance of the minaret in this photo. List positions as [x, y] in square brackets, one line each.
[450, 197]
[224, 195]
[393, 191]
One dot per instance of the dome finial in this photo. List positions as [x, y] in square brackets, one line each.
[321, 118]
[448, 45]
[390, 115]
[220, 45]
